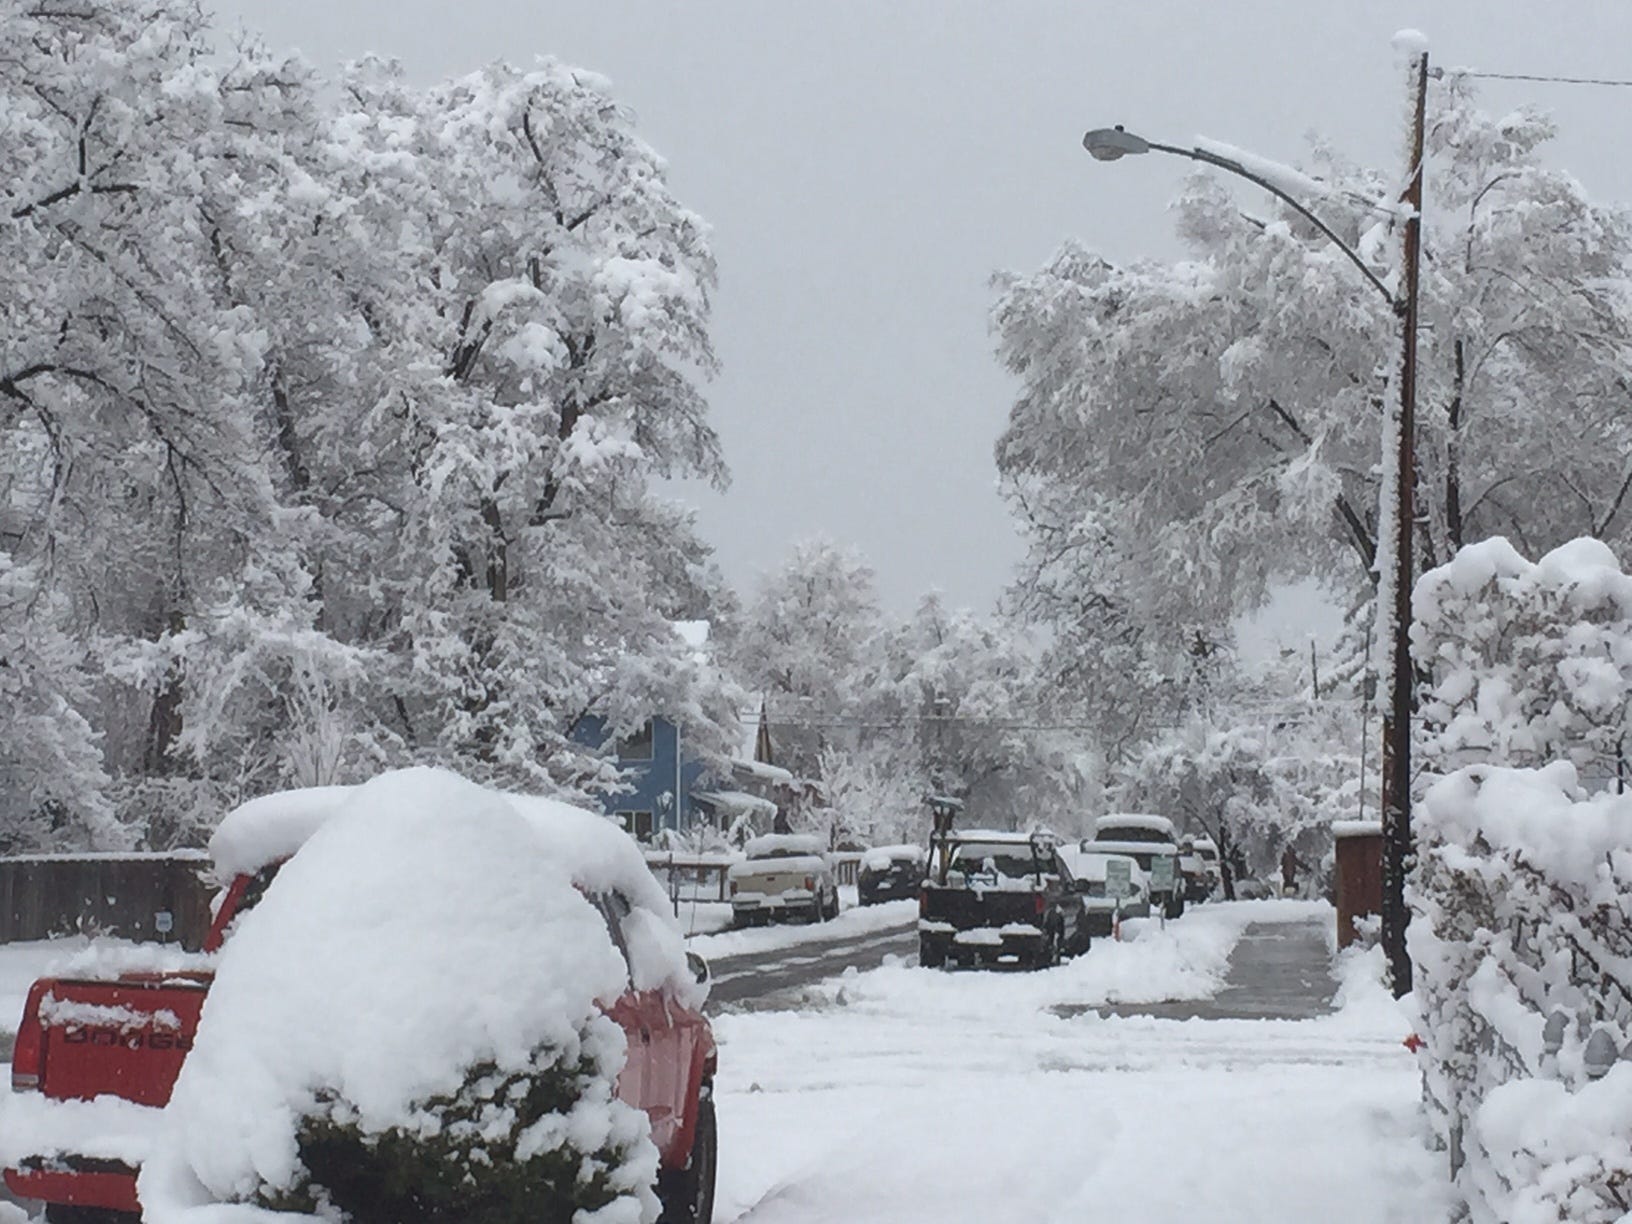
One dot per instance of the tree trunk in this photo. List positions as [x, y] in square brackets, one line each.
[1453, 462]
[164, 721]
[1226, 868]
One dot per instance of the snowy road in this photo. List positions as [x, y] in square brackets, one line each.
[885, 1092]
[779, 978]
[907, 1095]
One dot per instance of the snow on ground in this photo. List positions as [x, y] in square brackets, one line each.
[921, 1095]
[20, 964]
[1186, 959]
[861, 920]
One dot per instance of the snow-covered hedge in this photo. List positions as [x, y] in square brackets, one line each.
[1524, 862]
[1529, 662]
[1520, 892]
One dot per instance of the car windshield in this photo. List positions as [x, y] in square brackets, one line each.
[984, 858]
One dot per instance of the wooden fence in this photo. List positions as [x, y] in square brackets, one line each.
[133, 896]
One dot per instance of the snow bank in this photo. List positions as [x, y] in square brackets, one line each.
[1519, 893]
[1184, 959]
[107, 1128]
[425, 925]
[861, 920]
[21, 964]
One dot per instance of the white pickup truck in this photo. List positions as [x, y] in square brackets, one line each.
[1153, 843]
[785, 875]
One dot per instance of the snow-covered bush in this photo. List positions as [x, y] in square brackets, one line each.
[505, 1146]
[1524, 861]
[1519, 892]
[1529, 662]
[409, 1024]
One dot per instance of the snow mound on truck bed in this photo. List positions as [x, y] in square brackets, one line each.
[425, 924]
[272, 827]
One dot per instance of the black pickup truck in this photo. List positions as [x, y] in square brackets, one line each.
[995, 898]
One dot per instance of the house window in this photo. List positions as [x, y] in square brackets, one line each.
[637, 747]
[637, 824]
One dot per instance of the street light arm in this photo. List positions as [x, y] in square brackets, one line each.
[1224, 163]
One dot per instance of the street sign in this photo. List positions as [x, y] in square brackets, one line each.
[1118, 878]
[164, 922]
[1161, 873]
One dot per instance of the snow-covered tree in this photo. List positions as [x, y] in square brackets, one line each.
[53, 787]
[982, 726]
[136, 443]
[883, 714]
[1261, 769]
[1186, 434]
[810, 645]
[331, 418]
[557, 326]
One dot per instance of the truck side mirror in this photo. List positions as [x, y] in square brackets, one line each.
[698, 967]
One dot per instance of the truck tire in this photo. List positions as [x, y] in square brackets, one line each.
[1048, 951]
[931, 955]
[687, 1194]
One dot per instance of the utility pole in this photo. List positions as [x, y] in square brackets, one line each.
[1397, 720]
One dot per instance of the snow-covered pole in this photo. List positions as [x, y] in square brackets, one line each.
[1397, 516]
[1396, 513]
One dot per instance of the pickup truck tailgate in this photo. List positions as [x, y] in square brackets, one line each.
[772, 882]
[968, 908]
[125, 1037]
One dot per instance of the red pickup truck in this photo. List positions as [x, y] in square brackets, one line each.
[126, 1037]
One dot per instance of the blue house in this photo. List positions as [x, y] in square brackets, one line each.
[664, 783]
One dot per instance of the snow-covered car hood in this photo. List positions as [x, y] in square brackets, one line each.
[881, 858]
[807, 864]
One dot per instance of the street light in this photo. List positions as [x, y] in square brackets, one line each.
[1394, 588]
[1110, 144]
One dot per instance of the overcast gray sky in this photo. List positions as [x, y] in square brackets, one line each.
[867, 167]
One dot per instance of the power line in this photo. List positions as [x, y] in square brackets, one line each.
[1534, 76]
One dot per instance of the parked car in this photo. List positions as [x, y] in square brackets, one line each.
[1198, 864]
[120, 1039]
[889, 873]
[1089, 868]
[1146, 839]
[784, 875]
[998, 898]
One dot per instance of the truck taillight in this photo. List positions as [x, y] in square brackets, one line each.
[733, 888]
[28, 1054]
[923, 902]
[810, 883]
[1041, 904]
